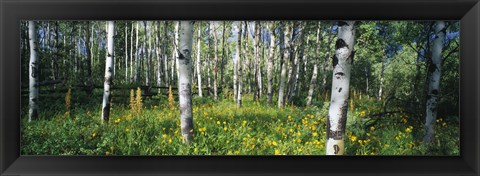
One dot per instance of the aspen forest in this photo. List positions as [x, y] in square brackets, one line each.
[240, 88]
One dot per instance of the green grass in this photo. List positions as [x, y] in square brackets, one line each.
[222, 129]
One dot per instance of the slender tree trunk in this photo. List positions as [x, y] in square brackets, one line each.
[258, 77]
[246, 58]
[146, 53]
[135, 78]
[342, 63]
[434, 82]
[158, 51]
[165, 55]
[175, 53]
[126, 53]
[283, 66]
[208, 65]
[131, 53]
[222, 66]
[382, 77]
[239, 61]
[215, 62]
[313, 81]
[270, 63]
[199, 75]
[293, 63]
[33, 72]
[184, 80]
[108, 72]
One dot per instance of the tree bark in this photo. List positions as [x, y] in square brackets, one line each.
[283, 66]
[434, 82]
[239, 61]
[175, 53]
[33, 72]
[258, 77]
[215, 61]
[184, 79]
[126, 53]
[199, 75]
[313, 81]
[135, 78]
[342, 63]
[165, 55]
[222, 66]
[131, 53]
[108, 72]
[270, 63]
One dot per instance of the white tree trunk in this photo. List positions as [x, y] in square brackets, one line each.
[241, 67]
[199, 75]
[434, 82]
[108, 72]
[342, 63]
[135, 77]
[258, 76]
[215, 61]
[165, 55]
[184, 79]
[175, 52]
[131, 53]
[126, 53]
[270, 63]
[283, 65]
[382, 78]
[33, 72]
[313, 81]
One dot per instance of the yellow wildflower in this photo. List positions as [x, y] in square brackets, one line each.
[353, 138]
[277, 152]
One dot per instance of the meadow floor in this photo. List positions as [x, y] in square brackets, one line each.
[223, 129]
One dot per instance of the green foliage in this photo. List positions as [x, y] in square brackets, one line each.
[222, 129]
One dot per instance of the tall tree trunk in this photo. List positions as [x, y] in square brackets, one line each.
[131, 53]
[126, 53]
[184, 80]
[241, 67]
[135, 78]
[382, 78]
[108, 72]
[158, 51]
[215, 61]
[271, 56]
[175, 53]
[293, 62]
[33, 72]
[222, 66]
[283, 66]
[258, 77]
[342, 63]
[199, 75]
[146, 53]
[165, 55]
[313, 81]
[434, 82]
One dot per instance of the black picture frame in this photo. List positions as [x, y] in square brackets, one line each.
[13, 11]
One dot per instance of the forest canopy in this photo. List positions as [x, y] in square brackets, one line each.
[240, 87]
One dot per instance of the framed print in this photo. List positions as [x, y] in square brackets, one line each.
[239, 87]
